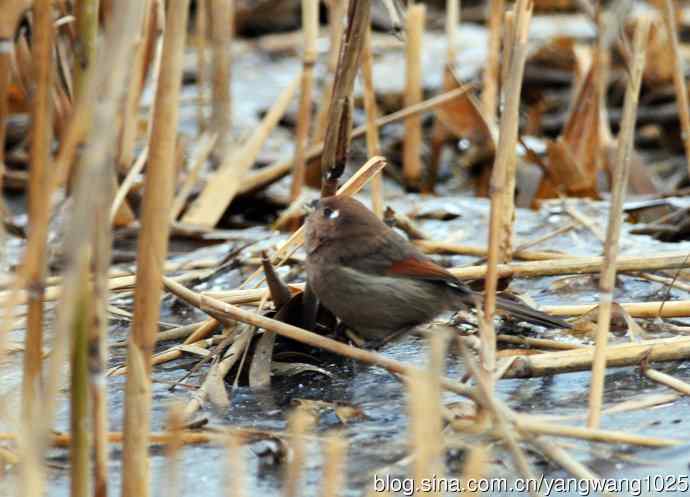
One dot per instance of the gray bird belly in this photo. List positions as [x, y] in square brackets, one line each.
[375, 306]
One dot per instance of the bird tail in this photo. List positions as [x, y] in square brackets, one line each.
[523, 312]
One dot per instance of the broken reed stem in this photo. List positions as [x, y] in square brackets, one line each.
[222, 186]
[200, 34]
[337, 140]
[664, 379]
[607, 280]
[277, 170]
[299, 425]
[502, 190]
[669, 15]
[310, 28]
[372, 130]
[412, 143]
[334, 454]
[34, 269]
[489, 96]
[151, 253]
[336, 13]
[222, 20]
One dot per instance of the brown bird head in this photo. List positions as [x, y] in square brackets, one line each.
[338, 218]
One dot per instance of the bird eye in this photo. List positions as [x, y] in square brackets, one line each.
[329, 213]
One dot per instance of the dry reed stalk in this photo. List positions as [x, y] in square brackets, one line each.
[310, 28]
[336, 14]
[576, 265]
[489, 97]
[538, 343]
[412, 143]
[334, 454]
[223, 185]
[337, 140]
[77, 309]
[228, 312]
[175, 427]
[222, 29]
[34, 269]
[202, 331]
[535, 427]
[373, 142]
[79, 393]
[664, 379]
[150, 26]
[452, 23]
[475, 467]
[151, 252]
[558, 455]
[277, 170]
[236, 465]
[63, 440]
[502, 415]
[434, 247]
[502, 190]
[86, 13]
[607, 280]
[201, 152]
[629, 354]
[300, 424]
[127, 183]
[424, 406]
[97, 338]
[200, 34]
[669, 15]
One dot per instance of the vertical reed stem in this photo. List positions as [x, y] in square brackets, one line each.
[489, 97]
[337, 142]
[607, 280]
[502, 187]
[39, 205]
[373, 143]
[151, 253]
[678, 76]
[222, 19]
[86, 13]
[310, 27]
[200, 35]
[412, 144]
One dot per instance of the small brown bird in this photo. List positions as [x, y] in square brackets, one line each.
[377, 282]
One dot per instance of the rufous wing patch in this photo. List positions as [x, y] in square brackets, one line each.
[413, 267]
